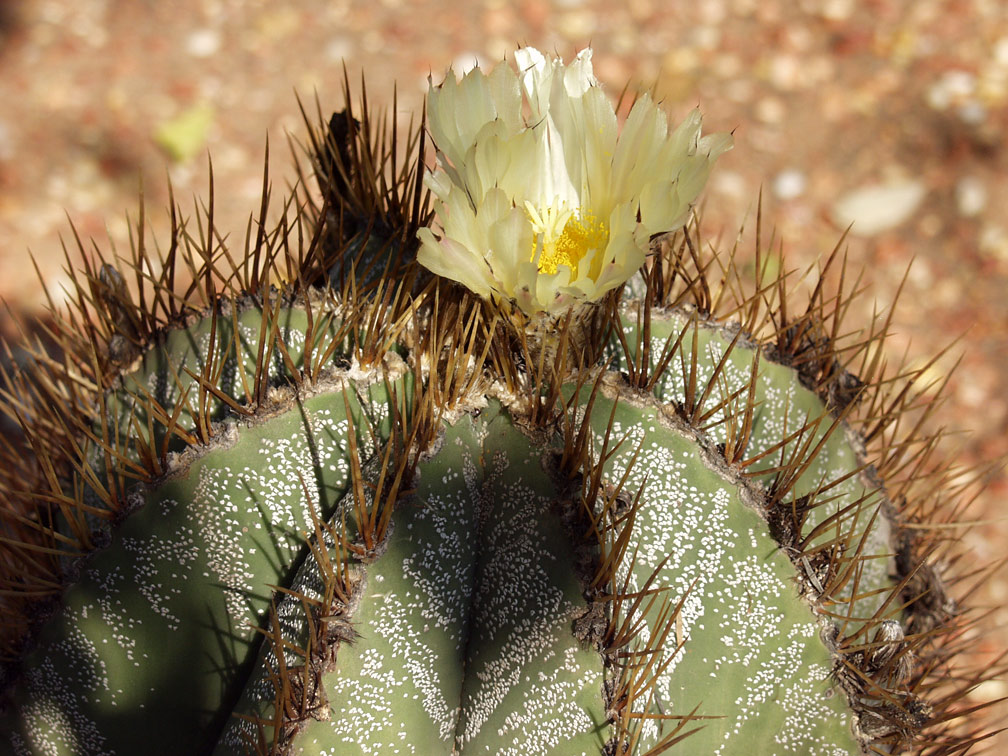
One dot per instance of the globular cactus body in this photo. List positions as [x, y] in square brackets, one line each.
[462, 632]
[368, 512]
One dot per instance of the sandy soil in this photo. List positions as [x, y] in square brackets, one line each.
[830, 100]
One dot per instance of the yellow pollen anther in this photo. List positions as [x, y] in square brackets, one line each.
[580, 234]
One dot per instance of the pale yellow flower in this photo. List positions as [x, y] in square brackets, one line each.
[540, 198]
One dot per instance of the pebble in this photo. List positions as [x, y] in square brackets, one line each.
[836, 10]
[875, 208]
[786, 72]
[972, 112]
[770, 110]
[789, 184]
[712, 12]
[203, 43]
[339, 48]
[1001, 52]
[951, 88]
[971, 196]
[993, 243]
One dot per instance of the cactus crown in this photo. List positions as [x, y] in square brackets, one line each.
[166, 354]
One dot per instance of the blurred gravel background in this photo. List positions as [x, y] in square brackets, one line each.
[888, 114]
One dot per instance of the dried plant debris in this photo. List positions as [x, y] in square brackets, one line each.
[324, 502]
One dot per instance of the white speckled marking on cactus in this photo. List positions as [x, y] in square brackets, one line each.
[544, 718]
[778, 396]
[52, 717]
[225, 501]
[111, 648]
[745, 629]
[471, 572]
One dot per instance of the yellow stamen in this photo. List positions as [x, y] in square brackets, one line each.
[580, 234]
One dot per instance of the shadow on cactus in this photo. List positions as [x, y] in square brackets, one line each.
[492, 456]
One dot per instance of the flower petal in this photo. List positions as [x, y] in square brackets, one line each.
[511, 241]
[639, 147]
[599, 140]
[474, 108]
[449, 259]
[509, 186]
[578, 77]
[624, 255]
[439, 184]
[548, 287]
[536, 75]
[661, 208]
[505, 91]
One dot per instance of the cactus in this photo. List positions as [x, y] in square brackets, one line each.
[304, 497]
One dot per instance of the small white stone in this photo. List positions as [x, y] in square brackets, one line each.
[339, 48]
[951, 88]
[837, 10]
[203, 43]
[789, 184]
[971, 196]
[771, 110]
[994, 242]
[875, 208]
[785, 71]
[1001, 52]
[972, 112]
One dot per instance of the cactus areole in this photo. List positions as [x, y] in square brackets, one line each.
[493, 458]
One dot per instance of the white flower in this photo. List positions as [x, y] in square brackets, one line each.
[537, 198]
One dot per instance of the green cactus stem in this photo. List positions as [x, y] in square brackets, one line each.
[302, 497]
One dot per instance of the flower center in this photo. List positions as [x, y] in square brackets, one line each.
[565, 237]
